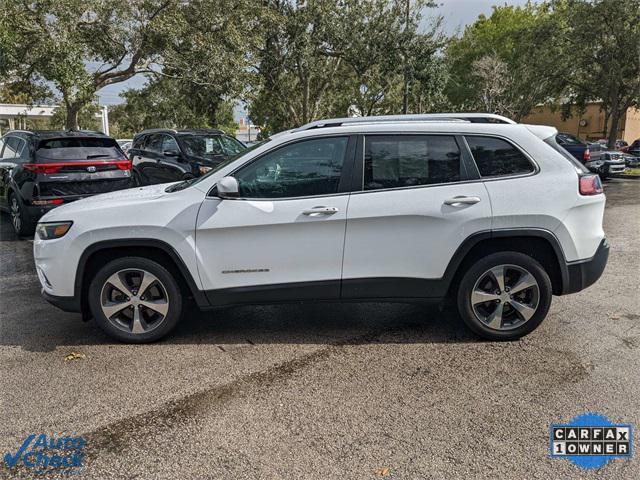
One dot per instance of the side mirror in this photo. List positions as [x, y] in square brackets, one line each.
[227, 187]
[171, 153]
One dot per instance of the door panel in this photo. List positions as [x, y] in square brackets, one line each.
[416, 208]
[243, 243]
[410, 233]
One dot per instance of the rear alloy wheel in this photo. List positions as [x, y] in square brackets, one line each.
[135, 300]
[504, 296]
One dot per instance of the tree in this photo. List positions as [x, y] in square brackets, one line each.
[334, 58]
[170, 103]
[81, 46]
[513, 38]
[596, 46]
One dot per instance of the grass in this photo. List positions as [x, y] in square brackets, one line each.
[632, 171]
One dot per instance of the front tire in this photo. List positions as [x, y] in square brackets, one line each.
[22, 224]
[135, 300]
[504, 296]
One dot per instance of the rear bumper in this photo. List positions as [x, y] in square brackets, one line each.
[585, 273]
[66, 304]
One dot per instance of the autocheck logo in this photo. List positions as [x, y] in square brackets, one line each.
[44, 454]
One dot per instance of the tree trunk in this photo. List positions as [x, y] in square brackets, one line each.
[72, 116]
[605, 130]
[613, 133]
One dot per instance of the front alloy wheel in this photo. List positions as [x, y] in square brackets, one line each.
[135, 299]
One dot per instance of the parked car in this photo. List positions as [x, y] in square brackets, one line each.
[631, 161]
[608, 163]
[579, 149]
[409, 208]
[161, 156]
[619, 145]
[41, 170]
[633, 149]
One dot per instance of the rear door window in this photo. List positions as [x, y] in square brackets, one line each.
[393, 161]
[154, 143]
[497, 157]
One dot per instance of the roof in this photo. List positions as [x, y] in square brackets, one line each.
[60, 133]
[189, 131]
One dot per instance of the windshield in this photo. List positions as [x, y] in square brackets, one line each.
[193, 181]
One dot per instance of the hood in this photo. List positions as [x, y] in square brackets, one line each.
[128, 197]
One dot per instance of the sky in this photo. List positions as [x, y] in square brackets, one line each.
[456, 13]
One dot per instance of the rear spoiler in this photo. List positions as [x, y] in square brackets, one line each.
[542, 131]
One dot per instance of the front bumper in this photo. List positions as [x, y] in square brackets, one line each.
[66, 304]
[585, 273]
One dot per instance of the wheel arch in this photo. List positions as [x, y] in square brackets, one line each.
[542, 245]
[98, 254]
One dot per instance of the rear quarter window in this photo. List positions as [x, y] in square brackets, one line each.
[552, 142]
[496, 157]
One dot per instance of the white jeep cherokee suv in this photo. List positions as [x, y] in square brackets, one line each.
[474, 207]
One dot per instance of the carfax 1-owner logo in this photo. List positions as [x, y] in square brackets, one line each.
[45, 454]
[590, 440]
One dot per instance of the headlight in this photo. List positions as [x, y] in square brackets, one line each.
[204, 169]
[51, 230]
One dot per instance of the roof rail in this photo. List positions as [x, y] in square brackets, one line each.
[152, 130]
[426, 117]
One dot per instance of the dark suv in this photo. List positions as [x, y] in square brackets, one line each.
[43, 169]
[161, 155]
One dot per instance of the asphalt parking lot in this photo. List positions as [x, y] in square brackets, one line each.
[326, 391]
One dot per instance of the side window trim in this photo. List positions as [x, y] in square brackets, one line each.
[532, 162]
[345, 174]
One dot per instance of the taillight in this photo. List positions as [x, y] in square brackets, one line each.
[49, 168]
[124, 164]
[50, 201]
[590, 185]
[43, 167]
[586, 156]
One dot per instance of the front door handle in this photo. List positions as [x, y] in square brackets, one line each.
[461, 200]
[317, 211]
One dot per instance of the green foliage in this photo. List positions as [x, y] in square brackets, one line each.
[334, 58]
[511, 39]
[170, 103]
[80, 46]
[596, 51]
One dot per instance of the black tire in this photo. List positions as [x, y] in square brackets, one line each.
[137, 180]
[168, 286]
[23, 225]
[513, 262]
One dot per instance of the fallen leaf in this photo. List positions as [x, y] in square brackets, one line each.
[382, 472]
[74, 356]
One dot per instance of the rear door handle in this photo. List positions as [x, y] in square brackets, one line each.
[461, 200]
[317, 211]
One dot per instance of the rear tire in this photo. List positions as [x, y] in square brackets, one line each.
[22, 224]
[135, 300]
[509, 307]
